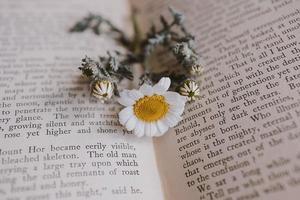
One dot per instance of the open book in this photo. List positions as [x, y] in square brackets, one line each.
[239, 141]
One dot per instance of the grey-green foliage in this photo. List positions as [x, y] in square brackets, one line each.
[100, 25]
[185, 54]
[105, 68]
[171, 35]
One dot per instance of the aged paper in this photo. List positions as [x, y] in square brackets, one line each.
[241, 139]
[56, 142]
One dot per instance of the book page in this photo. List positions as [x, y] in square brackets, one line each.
[241, 139]
[57, 142]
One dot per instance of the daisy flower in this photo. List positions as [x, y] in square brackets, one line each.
[151, 111]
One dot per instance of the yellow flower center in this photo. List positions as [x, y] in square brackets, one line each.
[151, 108]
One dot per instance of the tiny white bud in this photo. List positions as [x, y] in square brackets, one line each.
[190, 89]
[196, 69]
[102, 90]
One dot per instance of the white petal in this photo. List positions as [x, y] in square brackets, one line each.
[163, 85]
[135, 94]
[197, 91]
[174, 98]
[194, 86]
[125, 99]
[125, 114]
[103, 86]
[130, 124]
[109, 93]
[184, 93]
[153, 129]
[147, 129]
[139, 129]
[171, 120]
[183, 89]
[176, 109]
[158, 89]
[165, 82]
[146, 89]
[97, 88]
[162, 128]
[183, 98]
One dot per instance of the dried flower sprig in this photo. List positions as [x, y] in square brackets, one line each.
[99, 25]
[105, 71]
[168, 35]
[172, 36]
[107, 67]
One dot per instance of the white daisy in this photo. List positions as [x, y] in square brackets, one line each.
[151, 111]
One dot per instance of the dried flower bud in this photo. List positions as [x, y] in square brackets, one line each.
[196, 69]
[190, 89]
[103, 90]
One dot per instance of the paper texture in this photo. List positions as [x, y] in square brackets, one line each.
[56, 142]
[241, 139]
